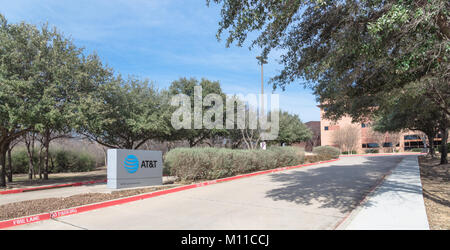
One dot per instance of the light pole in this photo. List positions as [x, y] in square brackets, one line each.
[262, 61]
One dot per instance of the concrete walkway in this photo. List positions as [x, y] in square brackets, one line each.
[315, 197]
[396, 204]
[62, 192]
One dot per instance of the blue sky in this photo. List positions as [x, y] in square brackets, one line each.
[162, 40]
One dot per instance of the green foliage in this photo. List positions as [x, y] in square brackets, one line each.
[20, 161]
[327, 152]
[63, 161]
[186, 86]
[72, 161]
[214, 163]
[42, 75]
[352, 53]
[292, 129]
[125, 114]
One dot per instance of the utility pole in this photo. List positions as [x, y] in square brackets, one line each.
[262, 61]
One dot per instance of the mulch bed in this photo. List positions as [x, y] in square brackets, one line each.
[436, 192]
[32, 207]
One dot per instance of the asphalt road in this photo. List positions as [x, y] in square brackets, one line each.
[315, 197]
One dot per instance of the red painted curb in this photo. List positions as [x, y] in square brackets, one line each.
[85, 208]
[24, 220]
[21, 190]
[384, 154]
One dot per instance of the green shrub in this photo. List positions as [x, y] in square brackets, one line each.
[326, 153]
[417, 150]
[20, 160]
[215, 163]
[61, 161]
[71, 161]
[349, 153]
[372, 151]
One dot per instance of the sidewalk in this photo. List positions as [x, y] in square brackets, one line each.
[396, 204]
[64, 192]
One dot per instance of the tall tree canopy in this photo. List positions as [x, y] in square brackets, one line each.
[349, 51]
[186, 87]
[292, 129]
[353, 54]
[125, 114]
[406, 109]
[42, 75]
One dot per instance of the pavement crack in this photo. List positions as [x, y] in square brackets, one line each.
[70, 224]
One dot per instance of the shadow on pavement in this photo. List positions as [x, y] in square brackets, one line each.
[342, 185]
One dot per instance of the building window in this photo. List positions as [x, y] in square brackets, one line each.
[363, 125]
[412, 137]
[372, 145]
[327, 128]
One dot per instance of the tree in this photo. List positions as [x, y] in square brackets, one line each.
[125, 114]
[29, 140]
[407, 109]
[9, 159]
[352, 53]
[20, 90]
[359, 48]
[347, 138]
[196, 135]
[378, 137]
[65, 76]
[292, 129]
[395, 139]
[251, 135]
[42, 75]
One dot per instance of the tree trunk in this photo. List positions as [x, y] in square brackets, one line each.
[40, 163]
[30, 151]
[431, 141]
[444, 149]
[3, 151]
[10, 170]
[46, 153]
[51, 162]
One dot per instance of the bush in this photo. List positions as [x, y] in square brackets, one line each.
[312, 158]
[215, 163]
[325, 153]
[20, 161]
[372, 151]
[61, 161]
[420, 150]
[71, 161]
[349, 153]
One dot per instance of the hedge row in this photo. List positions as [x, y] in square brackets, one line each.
[215, 163]
[61, 161]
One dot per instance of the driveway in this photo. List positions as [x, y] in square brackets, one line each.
[315, 197]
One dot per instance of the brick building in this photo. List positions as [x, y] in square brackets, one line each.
[366, 142]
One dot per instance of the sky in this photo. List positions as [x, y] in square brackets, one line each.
[162, 40]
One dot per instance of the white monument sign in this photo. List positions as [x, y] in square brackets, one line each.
[134, 168]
